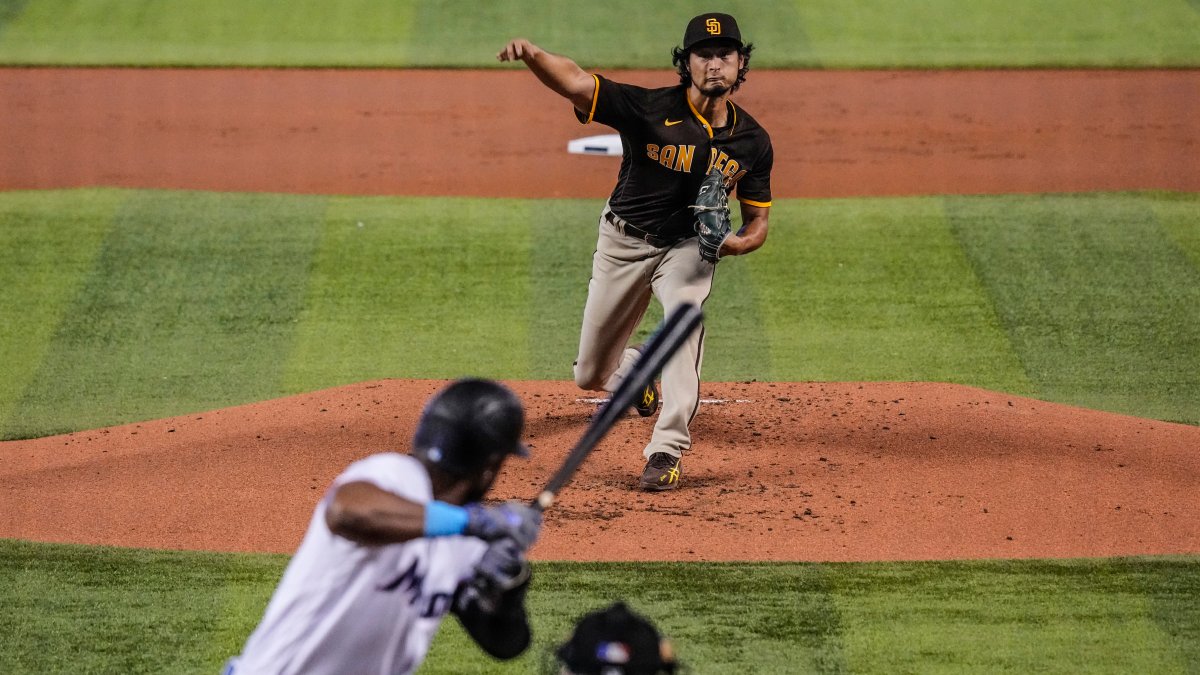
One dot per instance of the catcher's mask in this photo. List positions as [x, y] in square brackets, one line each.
[470, 425]
[615, 641]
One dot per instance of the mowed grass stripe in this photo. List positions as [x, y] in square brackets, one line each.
[735, 329]
[598, 34]
[460, 33]
[1179, 215]
[48, 242]
[943, 33]
[877, 289]
[1173, 591]
[418, 288]
[174, 612]
[211, 32]
[190, 305]
[760, 618]
[195, 299]
[1097, 298]
[1059, 616]
[10, 10]
[144, 611]
[562, 241]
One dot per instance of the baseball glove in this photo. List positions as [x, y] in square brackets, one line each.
[712, 215]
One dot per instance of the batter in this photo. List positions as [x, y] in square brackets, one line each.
[400, 541]
[647, 244]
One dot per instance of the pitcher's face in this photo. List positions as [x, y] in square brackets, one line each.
[714, 68]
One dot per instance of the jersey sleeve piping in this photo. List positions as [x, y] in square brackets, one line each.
[591, 113]
[751, 202]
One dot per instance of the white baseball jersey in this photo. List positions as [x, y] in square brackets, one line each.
[346, 608]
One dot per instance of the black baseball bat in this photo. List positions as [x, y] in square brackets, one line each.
[665, 341]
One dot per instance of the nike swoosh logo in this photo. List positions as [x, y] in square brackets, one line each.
[669, 123]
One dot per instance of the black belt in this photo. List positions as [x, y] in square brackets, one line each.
[634, 231]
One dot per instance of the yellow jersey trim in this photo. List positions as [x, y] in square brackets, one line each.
[751, 202]
[595, 98]
[703, 122]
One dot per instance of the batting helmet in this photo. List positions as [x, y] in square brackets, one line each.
[615, 641]
[468, 426]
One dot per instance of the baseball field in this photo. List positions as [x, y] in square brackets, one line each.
[950, 419]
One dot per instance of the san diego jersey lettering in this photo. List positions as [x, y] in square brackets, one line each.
[668, 147]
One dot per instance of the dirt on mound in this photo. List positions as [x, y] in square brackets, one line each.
[780, 471]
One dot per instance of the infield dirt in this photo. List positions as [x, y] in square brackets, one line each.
[501, 134]
[781, 471]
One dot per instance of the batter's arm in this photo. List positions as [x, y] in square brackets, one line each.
[369, 515]
[372, 516]
[559, 73]
[753, 233]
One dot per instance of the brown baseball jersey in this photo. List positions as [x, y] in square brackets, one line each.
[668, 147]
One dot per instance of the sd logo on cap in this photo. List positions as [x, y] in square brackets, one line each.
[713, 26]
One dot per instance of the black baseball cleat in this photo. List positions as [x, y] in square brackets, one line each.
[647, 404]
[662, 472]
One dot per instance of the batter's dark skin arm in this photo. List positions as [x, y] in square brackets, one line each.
[368, 515]
[371, 516]
[753, 233]
[559, 73]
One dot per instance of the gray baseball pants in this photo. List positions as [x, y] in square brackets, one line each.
[626, 272]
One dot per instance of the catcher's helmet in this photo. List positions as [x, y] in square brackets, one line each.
[468, 426]
[616, 641]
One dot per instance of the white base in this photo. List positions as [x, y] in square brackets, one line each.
[607, 145]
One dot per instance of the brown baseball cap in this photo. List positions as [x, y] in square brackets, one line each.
[711, 26]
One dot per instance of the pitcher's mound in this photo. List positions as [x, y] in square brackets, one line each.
[779, 471]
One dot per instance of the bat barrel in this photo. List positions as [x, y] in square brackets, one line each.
[665, 341]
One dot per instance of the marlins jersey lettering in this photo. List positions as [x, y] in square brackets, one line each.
[668, 147]
[347, 608]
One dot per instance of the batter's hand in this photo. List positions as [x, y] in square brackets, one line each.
[519, 49]
[513, 520]
[502, 569]
[503, 565]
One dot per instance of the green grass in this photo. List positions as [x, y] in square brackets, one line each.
[414, 287]
[97, 609]
[129, 305]
[190, 301]
[47, 248]
[876, 289]
[458, 33]
[1099, 278]
[77, 609]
